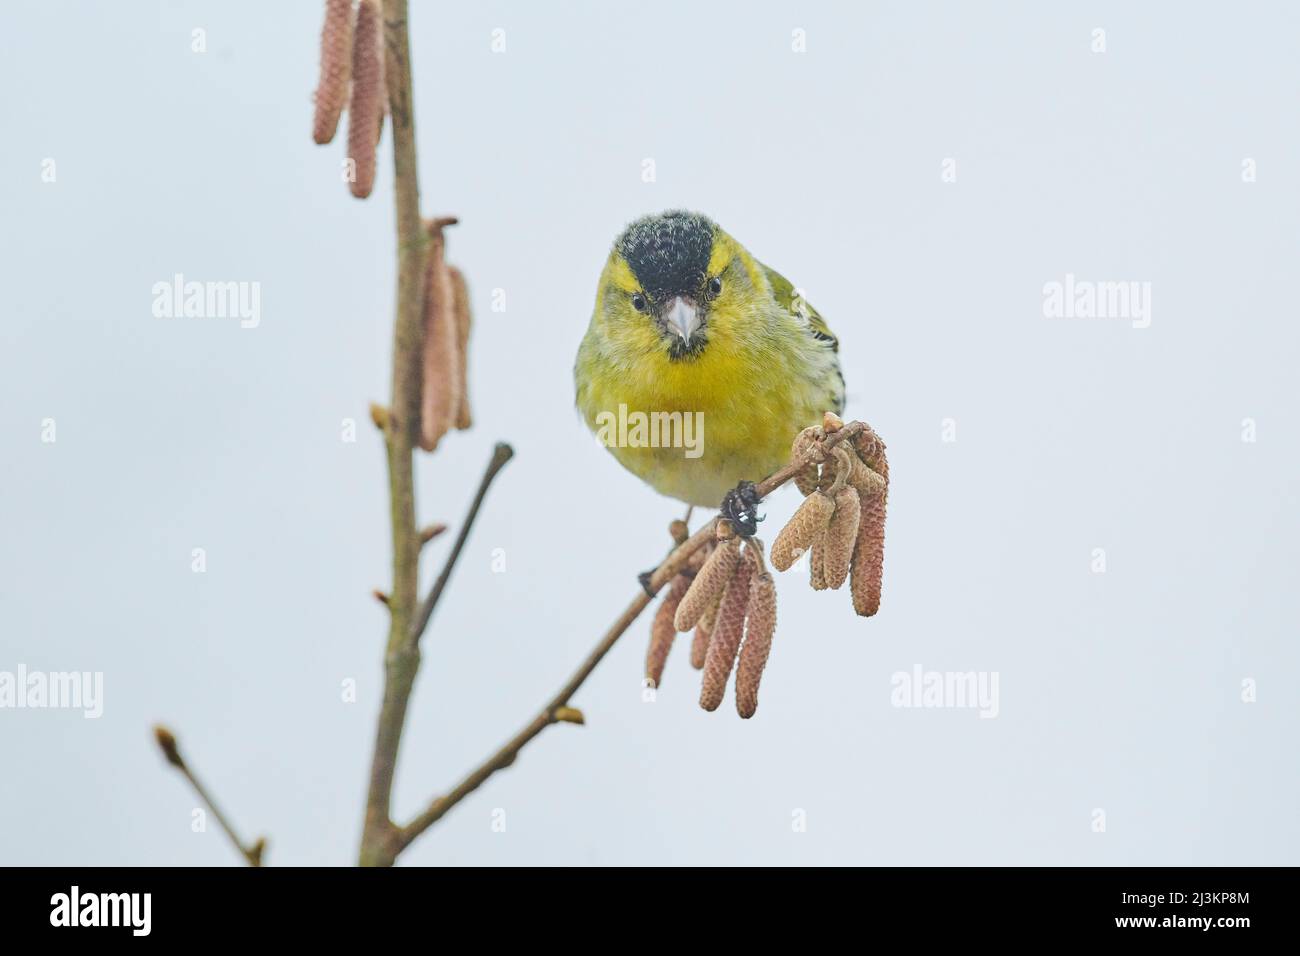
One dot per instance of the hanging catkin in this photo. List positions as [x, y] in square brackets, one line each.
[460, 308]
[700, 642]
[841, 536]
[662, 632]
[724, 642]
[335, 69]
[806, 479]
[805, 526]
[867, 572]
[760, 625]
[440, 386]
[708, 584]
[366, 110]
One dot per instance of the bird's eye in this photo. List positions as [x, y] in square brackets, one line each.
[638, 302]
[715, 286]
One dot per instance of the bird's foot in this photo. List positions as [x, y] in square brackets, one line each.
[740, 508]
[644, 577]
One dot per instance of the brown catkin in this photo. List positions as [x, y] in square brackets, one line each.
[700, 643]
[662, 632]
[697, 559]
[335, 68]
[869, 559]
[817, 564]
[699, 646]
[871, 449]
[805, 526]
[708, 584]
[842, 536]
[869, 485]
[460, 309]
[367, 107]
[440, 388]
[760, 625]
[806, 480]
[869, 552]
[724, 642]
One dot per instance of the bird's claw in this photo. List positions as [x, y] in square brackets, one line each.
[740, 508]
[644, 577]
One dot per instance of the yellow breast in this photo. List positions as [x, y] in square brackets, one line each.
[694, 429]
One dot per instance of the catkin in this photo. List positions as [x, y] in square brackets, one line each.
[871, 449]
[760, 625]
[869, 485]
[724, 642]
[700, 643]
[805, 526]
[335, 67]
[662, 632]
[869, 553]
[440, 387]
[806, 480]
[367, 108]
[708, 584]
[841, 536]
[817, 564]
[460, 308]
[697, 558]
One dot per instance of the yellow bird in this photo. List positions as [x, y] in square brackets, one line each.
[700, 364]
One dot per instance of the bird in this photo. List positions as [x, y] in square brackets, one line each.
[693, 333]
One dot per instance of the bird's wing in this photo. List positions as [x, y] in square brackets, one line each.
[797, 305]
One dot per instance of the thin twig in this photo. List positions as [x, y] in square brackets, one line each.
[675, 561]
[167, 744]
[402, 658]
[501, 454]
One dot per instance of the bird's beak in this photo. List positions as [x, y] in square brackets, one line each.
[682, 317]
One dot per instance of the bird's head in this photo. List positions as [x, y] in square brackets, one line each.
[671, 281]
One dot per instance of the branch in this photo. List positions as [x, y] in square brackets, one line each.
[557, 709]
[167, 743]
[402, 659]
[501, 454]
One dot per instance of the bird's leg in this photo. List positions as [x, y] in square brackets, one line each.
[740, 508]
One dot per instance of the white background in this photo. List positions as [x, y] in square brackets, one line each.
[1119, 691]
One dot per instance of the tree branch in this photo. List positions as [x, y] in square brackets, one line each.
[402, 659]
[167, 744]
[501, 454]
[553, 711]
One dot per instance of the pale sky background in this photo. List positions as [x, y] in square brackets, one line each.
[1120, 691]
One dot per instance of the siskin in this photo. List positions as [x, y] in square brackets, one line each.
[687, 321]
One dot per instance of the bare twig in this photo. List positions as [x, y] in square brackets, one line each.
[501, 454]
[167, 744]
[555, 709]
[402, 658]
